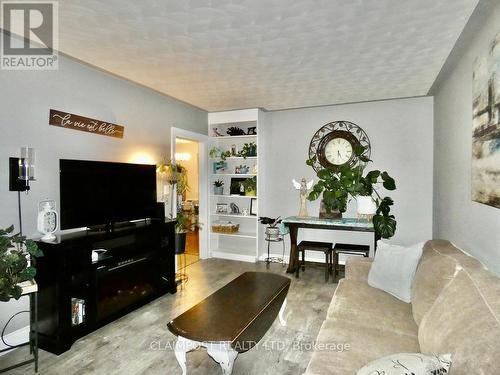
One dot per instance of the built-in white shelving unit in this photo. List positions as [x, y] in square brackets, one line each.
[241, 245]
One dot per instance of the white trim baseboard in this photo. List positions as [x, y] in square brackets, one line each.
[14, 338]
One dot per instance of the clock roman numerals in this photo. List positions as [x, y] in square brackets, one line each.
[338, 151]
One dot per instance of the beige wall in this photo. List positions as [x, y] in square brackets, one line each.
[472, 226]
[191, 148]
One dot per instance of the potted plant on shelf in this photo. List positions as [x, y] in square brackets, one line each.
[250, 186]
[350, 181]
[14, 267]
[248, 150]
[217, 153]
[218, 187]
[185, 223]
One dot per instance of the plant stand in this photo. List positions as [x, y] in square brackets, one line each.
[275, 238]
[32, 291]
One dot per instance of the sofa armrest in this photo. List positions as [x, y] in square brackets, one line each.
[357, 268]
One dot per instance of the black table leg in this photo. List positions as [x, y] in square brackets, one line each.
[294, 258]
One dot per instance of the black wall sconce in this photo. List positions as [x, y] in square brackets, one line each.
[22, 170]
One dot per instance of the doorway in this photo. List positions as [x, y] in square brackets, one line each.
[189, 149]
[187, 156]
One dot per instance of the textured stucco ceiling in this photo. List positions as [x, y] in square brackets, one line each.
[227, 54]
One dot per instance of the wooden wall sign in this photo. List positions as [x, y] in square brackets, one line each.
[89, 125]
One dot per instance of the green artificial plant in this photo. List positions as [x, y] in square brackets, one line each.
[14, 267]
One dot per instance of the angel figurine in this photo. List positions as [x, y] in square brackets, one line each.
[303, 186]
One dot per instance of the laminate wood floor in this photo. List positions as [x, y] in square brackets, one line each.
[140, 342]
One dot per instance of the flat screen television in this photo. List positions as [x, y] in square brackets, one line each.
[95, 193]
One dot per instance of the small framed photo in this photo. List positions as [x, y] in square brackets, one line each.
[237, 187]
[253, 207]
[221, 208]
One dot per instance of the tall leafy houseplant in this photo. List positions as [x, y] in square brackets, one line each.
[14, 268]
[336, 188]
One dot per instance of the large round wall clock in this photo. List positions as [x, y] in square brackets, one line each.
[335, 143]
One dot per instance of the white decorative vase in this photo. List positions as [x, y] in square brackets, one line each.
[366, 205]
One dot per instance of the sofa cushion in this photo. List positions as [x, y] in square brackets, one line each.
[408, 363]
[365, 345]
[394, 268]
[434, 272]
[465, 321]
[358, 302]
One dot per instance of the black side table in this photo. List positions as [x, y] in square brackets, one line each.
[32, 291]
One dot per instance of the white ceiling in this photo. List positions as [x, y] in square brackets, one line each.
[274, 54]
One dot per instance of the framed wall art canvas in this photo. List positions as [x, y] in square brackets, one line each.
[486, 126]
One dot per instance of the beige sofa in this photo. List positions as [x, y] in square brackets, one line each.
[455, 309]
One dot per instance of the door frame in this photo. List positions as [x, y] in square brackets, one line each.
[202, 180]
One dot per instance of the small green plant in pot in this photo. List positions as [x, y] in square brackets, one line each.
[250, 185]
[248, 150]
[218, 187]
[217, 153]
[14, 268]
[184, 224]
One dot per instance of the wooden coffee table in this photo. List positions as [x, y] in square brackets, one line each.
[233, 319]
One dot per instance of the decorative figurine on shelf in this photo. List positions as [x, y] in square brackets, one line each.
[216, 132]
[252, 130]
[303, 186]
[234, 208]
[234, 130]
[234, 150]
[241, 169]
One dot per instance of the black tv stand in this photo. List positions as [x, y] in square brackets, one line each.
[111, 227]
[78, 295]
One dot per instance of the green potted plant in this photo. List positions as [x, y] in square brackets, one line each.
[336, 187]
[250, 186]
[217, 153]
[14, 268]
[184, 224]
[218, 187]
[248, 150]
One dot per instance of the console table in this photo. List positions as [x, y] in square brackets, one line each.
[344, 224]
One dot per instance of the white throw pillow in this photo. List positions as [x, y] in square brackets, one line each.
[394, 268]
[408, 363]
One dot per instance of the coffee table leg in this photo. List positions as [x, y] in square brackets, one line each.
[224, 355]
[281, 314]
[182, 346]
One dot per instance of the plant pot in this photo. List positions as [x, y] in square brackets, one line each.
[251, 193]
[324, 213]
[366, 205]
[180, 243]
[218, 190]
[272, 233]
